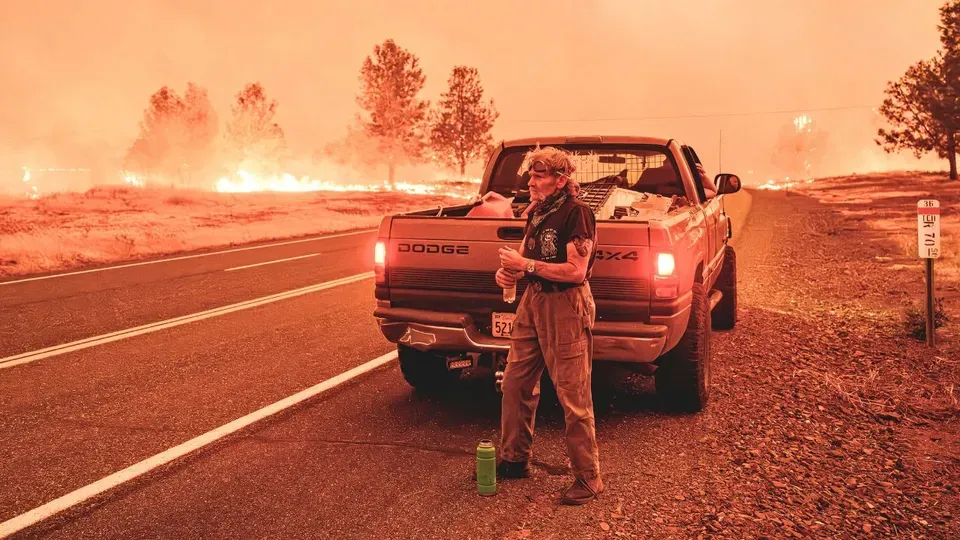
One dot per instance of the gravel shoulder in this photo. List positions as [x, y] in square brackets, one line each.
[827, 418]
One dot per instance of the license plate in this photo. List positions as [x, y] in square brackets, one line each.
[503, 324]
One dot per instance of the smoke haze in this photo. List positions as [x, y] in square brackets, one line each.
[77, 75]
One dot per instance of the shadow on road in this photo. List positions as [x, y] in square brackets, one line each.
[474, 400]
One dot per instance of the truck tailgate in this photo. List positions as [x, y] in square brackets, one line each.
[448, 264]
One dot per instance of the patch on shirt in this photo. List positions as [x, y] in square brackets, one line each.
[548, 243]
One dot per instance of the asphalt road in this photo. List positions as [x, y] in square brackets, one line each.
[369, 458]
[45, 312]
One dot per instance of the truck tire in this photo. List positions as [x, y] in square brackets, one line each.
[682, 377]
[724, 316]
[424, 371]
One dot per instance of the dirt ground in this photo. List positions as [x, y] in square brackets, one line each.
[828, 419]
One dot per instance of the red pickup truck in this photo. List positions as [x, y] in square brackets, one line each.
[663, 278]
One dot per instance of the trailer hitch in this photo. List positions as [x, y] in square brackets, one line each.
[499, 366]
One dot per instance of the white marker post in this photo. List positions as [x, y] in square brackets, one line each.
[928, 245]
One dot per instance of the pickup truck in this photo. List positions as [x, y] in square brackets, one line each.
[662, 280]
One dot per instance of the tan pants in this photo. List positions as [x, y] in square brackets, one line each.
[552, 330]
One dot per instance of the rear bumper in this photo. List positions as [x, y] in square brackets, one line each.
[456, 333]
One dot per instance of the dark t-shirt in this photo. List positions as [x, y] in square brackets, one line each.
[549, 242]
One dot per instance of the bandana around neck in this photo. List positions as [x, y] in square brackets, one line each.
[546, 207]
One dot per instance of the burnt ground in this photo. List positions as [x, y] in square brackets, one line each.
[827, 418]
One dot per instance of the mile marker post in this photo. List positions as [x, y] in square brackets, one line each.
[928, 245]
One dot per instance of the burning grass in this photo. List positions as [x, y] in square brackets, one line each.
[110, 224]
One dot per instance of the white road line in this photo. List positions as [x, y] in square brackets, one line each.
[353, 233]
[271, 262]
[78, 496]
[55, 350]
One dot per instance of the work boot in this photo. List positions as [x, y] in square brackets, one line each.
[581, 491]
[513, 469]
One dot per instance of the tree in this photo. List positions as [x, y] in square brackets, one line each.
[461, 124]
[391, 79]
[202, 126]
[176, 133]
[950, 39]
[255, 142]
[800, 147]
[923, 106]
[949, 27]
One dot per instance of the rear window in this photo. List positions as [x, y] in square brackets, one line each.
[646, 168]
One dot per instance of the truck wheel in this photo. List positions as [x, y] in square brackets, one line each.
[682, 377]
[425, 371]
[724, 316]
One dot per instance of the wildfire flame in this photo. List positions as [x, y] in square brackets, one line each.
[774, 185]
[133, 180]
[802, 122]
[32, 191]
[247, 182]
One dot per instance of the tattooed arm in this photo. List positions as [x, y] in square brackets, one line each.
[572, 271]
[581, 227]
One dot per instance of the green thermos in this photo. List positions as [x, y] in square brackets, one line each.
[486, 468]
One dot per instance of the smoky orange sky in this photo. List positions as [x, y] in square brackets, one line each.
[76, 75]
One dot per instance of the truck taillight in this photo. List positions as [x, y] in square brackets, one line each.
[380, 254]
[666, 264]
[665, 282]
[380, 262]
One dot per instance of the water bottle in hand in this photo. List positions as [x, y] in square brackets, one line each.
[510, 294]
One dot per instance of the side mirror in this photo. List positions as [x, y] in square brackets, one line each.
[727, 183]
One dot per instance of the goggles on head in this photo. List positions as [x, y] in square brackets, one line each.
[542, 169]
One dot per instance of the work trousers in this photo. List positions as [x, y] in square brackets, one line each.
[552, 330]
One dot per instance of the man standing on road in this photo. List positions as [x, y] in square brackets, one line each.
[554, 324]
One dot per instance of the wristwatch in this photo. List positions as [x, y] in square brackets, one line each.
[531, 266]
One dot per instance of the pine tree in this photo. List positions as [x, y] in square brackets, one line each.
[923, 106]
[461, 124]
[391, 79]
[922, 109]
[255, 141]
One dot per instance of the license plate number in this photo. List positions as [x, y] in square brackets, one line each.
[503, 324]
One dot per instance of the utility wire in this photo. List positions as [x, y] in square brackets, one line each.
[714, 115]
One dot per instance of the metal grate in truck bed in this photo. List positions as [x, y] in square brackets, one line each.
[595, 194]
